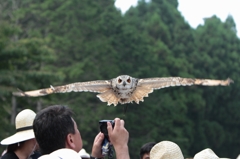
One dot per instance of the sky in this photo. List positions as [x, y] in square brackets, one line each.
[194, 11]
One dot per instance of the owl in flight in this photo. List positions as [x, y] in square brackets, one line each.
[124, 89]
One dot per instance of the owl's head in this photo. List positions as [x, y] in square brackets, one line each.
[124, 82]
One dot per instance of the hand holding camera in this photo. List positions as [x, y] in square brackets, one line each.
[116, 135]
[119, 135]
[106, 145]
[103, 127]
[114, 132]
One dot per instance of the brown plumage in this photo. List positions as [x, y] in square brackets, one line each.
[124, 88]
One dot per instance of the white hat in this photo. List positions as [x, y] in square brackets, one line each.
[206, 154]
[83, 153]
[166, 150]
[64, 153]
[24, 130]
[238, 157]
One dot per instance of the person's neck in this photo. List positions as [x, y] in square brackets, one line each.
[22, 152]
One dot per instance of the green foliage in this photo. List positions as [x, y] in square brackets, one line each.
[56, 42]
[24, 63]
[217, 45]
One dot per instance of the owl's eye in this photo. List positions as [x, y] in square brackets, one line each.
[129, 80]
[119, 80]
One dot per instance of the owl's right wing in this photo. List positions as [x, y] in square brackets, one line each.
[99, 86]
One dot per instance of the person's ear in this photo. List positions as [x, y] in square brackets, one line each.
[70, 141]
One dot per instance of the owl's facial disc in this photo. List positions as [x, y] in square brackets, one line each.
[124, 82]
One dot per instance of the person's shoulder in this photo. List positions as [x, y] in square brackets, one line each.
[64, 153]
[9, 155]
[35, 155]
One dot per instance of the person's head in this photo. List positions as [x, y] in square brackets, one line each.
[54, 128]
[145, 150]
[166, 150]
[24, 137]
[205, 154]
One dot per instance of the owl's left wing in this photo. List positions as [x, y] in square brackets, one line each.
[147, 85]
[99, 86]
[158, 83]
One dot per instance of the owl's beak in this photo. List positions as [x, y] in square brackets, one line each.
[124, 83]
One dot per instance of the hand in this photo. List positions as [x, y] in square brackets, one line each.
[118, 135]
[97, 146]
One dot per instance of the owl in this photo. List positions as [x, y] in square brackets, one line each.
[124, 89]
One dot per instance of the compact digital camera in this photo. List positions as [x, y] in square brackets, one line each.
[107, 148]
[103, 127]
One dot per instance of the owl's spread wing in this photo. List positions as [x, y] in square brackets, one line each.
[92, 86]
[158, 83]
[147, 85]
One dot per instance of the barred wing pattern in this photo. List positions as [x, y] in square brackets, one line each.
[147, 85]
[124, 89]
[158, 83]
[92, 86]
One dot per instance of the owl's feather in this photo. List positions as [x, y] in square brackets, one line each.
[140, 93]
[92, 86]
[109, 97]
[124, 89]
[158, 83]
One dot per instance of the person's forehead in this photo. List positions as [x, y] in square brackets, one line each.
[73, 120]
[75, 124]
[146, 156]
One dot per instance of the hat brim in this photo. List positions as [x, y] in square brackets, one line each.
[18, 137]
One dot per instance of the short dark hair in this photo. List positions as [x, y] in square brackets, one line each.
[146, 148]
[51, 127]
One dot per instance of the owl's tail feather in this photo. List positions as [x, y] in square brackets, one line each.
[140, 93]
[109, 97]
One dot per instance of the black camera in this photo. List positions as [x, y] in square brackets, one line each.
[107, 148]
[103, 126]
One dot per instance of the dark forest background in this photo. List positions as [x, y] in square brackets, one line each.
[56, 42]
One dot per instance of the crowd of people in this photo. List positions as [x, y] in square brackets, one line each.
[52, 133]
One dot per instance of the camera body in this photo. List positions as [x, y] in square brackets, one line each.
[107, 148]
[103, 127]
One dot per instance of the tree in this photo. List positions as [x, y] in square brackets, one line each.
[216, 57]
[58, 42]
[22, 61]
